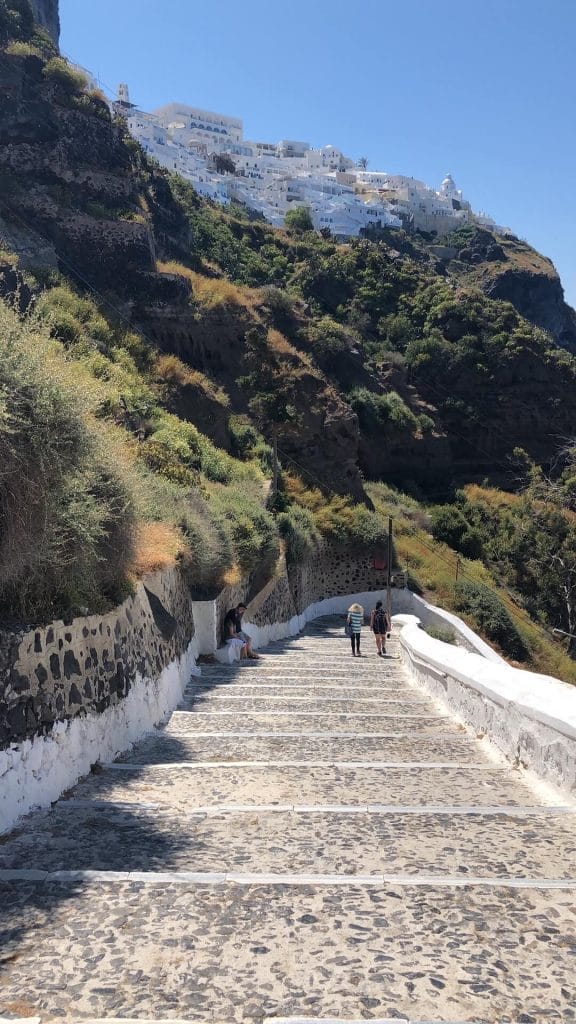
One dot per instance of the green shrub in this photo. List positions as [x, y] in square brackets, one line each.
[252, 528]
[211, 547]
[298, 529]
[492, 618]
[66, 78]
[386, 413]
[444, 633]
[299, 219]
[66, 515]
[450, 525]
[244, 436]
[281, 304]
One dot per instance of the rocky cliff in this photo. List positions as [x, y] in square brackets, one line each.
[511, 270]
[47, 14]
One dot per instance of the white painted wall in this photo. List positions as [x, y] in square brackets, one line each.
[530, 717]
[36, 772]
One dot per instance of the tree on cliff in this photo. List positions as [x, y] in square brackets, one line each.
[299, 219]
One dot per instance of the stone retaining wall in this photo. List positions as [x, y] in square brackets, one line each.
[73, 695]
[61, 671]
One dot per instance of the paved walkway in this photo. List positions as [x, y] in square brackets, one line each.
[309, 837]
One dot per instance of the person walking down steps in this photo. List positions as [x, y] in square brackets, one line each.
[355, 622]
[380, 625]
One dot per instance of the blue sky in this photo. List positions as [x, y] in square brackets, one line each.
[485, 89]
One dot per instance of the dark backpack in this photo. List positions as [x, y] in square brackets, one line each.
[380, 620]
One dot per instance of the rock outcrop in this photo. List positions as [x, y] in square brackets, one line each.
[47, 15]
[511, 270]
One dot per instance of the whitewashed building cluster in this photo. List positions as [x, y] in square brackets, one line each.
[210, 151]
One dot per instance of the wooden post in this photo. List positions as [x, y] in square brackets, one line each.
[274, 465]
[457, 569]
[389, 571]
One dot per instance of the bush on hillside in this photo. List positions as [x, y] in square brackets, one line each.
[444, 633]
[66, 78]
[299, 531]
[66, 516]
[450, 525]
[252, 528]
[299, 219]
[387, 413]
[492, 618]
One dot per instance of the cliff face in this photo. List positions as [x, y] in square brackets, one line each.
[47, 15]
[509, 269]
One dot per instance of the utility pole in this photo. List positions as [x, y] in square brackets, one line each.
[389, 571]
[457, 569]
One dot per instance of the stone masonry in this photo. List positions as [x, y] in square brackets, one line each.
[55, 673]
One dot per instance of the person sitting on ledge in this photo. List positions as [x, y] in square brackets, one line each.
[234, 634]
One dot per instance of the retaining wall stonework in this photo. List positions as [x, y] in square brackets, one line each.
[71, 695]
[61, 671]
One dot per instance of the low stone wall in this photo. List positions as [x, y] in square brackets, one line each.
[71, 695]
[328, 573]
[531, 718]
[331, 572]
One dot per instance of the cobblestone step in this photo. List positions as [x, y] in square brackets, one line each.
[217, 702]
[526, 843]
[412, 720]
[432, 746]
[310, 839]
[241, 954]
[293, 697]
[186, 789]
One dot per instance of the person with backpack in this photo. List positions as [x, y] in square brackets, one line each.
[354, 625]
[380, 626]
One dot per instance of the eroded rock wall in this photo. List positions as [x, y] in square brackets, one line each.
[47, 14]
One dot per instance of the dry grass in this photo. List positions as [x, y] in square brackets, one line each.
[492, 496]
[8, 258]
[233, 576]
[158, 546]
[172, 267]
[212, 292]
[170, 370]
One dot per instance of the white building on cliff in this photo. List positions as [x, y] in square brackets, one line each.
[210, 151]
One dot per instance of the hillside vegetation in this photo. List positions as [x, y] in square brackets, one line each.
[157, 350]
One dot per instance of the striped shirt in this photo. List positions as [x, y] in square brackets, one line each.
[356, 621]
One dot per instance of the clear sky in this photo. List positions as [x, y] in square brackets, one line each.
[485, 89]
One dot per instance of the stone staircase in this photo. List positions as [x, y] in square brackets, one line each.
[310, 838]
